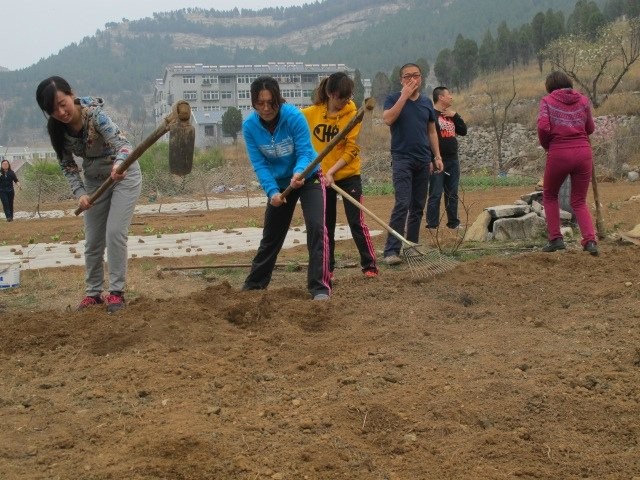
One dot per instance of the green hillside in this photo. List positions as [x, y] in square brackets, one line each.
[121, 62]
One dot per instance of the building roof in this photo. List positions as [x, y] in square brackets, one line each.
[267, 68]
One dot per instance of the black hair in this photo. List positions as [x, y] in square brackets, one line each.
[271, 85]
[556, 80]
[409, 65]
[46, 98]
[337, 83]
[8, 162]
[437, 92]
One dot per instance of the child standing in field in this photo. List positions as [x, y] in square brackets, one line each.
[331, 111]
[79, 126]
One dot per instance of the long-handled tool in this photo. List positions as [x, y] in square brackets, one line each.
[289, 265]
[420, 263]
[368, 104]
[600, 228]
[181, 146]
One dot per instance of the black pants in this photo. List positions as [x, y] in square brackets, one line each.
[441, 182]
[410, 182]
[7, 203]
[276, 225]
[355, 218]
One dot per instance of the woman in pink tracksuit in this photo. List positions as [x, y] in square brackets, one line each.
[564, 126]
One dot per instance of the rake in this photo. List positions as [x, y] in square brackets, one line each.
[421, 264]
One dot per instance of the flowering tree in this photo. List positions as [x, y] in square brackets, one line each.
[598, 67]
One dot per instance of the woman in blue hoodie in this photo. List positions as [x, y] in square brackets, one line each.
[79, 126]
[278, 143]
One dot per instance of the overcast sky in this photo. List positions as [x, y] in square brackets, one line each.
[35, 29]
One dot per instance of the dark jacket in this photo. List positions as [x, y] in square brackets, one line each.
[448, 128]
[7, 179]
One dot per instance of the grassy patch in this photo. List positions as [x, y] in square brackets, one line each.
[483, 182]
[467, 182]
[378, 189]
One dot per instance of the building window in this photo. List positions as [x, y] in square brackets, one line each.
[190, 95]
[309, 77]
[246, 78]
[226, 79]
[226, 95]
[209, 95]
[209, 79]
[188, 79]
[209, 131]
[288, 78]
[292, 93]
[244, 94]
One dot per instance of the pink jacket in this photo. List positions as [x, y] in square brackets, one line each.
[564, 120]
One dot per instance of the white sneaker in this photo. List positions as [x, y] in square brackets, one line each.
[392, 260]
[321, 296]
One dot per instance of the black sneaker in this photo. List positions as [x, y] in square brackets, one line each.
[554, 245]
[114, 301]
[591, 247]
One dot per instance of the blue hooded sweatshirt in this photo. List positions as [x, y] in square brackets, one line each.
[277, 157]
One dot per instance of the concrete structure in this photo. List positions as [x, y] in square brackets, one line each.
[42, 255]
[13, 154]
[212, 89]
[18, 157]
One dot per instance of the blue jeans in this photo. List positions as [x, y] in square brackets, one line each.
[439, 183]
[410, 182]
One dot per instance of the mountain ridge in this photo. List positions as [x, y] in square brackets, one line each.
[122, 61]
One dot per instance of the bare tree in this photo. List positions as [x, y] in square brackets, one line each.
[598, 66]
[501, 100]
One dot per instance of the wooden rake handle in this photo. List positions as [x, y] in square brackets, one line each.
[177, 114]
[368, 105]
[388, 228]
[600, 228]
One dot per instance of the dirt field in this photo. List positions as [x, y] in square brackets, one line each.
[518, 364]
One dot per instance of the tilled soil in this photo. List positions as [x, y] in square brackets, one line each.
[518, 364]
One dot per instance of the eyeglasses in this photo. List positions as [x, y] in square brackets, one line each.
[259, 105]
[411, 75]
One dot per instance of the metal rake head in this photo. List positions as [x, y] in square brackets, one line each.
[427, 264]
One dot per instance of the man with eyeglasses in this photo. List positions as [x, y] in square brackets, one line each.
[414, 148]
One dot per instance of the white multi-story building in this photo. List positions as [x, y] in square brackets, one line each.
[18, 157]
[212, 89]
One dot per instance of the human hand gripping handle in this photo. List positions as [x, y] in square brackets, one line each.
[85, 202]
[180, 114]
[369, 104]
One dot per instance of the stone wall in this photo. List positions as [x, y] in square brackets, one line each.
[522, 154]
[525, 219]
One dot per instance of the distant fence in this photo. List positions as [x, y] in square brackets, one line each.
[235, 179]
